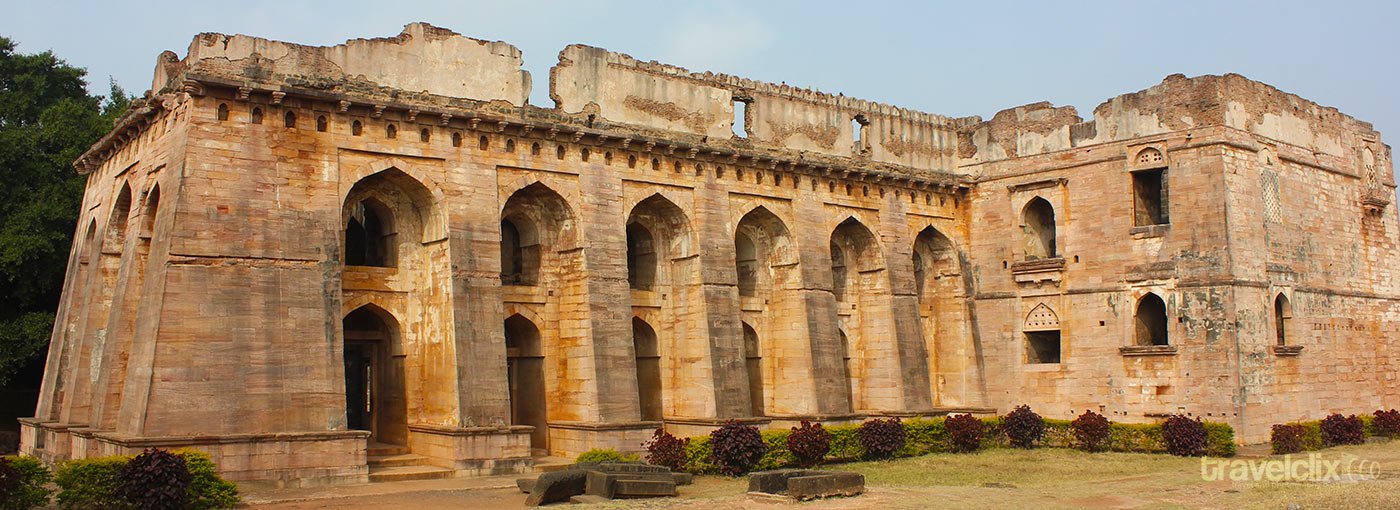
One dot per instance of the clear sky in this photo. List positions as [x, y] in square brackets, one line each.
[955, 58]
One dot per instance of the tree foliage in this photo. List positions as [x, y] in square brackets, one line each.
[47, 119]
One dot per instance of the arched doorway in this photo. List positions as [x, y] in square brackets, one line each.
[1151, 321]
[648, 370]
[1038, 226]
[525, 375]
[374, 377]
[753, 363]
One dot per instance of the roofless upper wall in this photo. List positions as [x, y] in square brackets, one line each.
[423, 58]
[611, 91]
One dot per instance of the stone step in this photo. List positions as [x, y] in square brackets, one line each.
[399, 460]
[382, 450]
[404, 473]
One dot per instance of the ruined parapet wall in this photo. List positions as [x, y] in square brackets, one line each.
[1178, 103]
[422, 59]
[624, 90]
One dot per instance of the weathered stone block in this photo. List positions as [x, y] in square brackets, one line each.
[833, 483]
[557, 486]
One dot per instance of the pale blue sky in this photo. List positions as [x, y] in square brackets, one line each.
[957, 58]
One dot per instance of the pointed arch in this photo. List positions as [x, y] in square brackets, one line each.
[753, 364]
[935, 258]
[386, 215]
[117, 220]
[1283, 317]
[526, 380]
[648, 356]
[148, 217]
[762, 244]
[375, 396]
[854, 250]
[1038, 226]
[658, 233]
[1150, 319]
[536, 224]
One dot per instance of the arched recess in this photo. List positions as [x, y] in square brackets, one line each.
[148, 217]
[386, 218]
[375, 385]
[1283, 318]
[648, 355]
[526, 380]
[664, 277]
[536, 224]
[1150, 319]
[1038, 228]
[92, 353]
[766, 256]
[768, 276]
[941, 290]
[863, 315]
[753, 364]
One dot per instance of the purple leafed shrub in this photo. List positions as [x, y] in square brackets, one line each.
[964, 432]
[881, 438]
[1023, 427]
[155, 480]
[1184, 436]
[666, 450]
[1387, 423]
[1339, 430]
[1090, 431]
[736, 447]
[809, 444]
[1287, 438]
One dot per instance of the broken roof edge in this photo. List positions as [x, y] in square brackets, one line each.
[751, 86]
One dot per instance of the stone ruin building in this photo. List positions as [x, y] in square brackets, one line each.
[301, 259]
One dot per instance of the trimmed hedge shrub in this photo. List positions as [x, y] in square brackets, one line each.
[1339, 430]
[23, 483]
[208, 490]
[1185, 437]
[1386, 424]
[881, 439]
[155, 480]
[1287, 438]
[666, 450]
[737, 448]
[924, 436]
[93, 484]
[964, 432]
[809, 444]
[90, 484]
[1023, 427]
[1090, 431]
[604, 455]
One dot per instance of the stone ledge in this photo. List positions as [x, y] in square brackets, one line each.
[1150, 231]
[1286, 350]
[579, 425]
[1148, 350]
[1037, 265]
[127, 440]
[444, 430]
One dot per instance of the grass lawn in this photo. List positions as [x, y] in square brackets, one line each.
[1055, 478]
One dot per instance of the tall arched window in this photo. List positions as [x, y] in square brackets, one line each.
[648, 369]
[1283, 314]
[1038, 227]
[641, 257]
[512, 255]
[838, 272]
[369, 235]
[753, 362]
[746, 263]
[148, 219]
[1151, 321]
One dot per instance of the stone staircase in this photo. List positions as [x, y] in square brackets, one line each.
[392, 463]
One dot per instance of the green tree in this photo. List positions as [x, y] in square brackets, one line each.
[47, 119]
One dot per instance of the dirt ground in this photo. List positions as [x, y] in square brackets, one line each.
[1370, 478]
